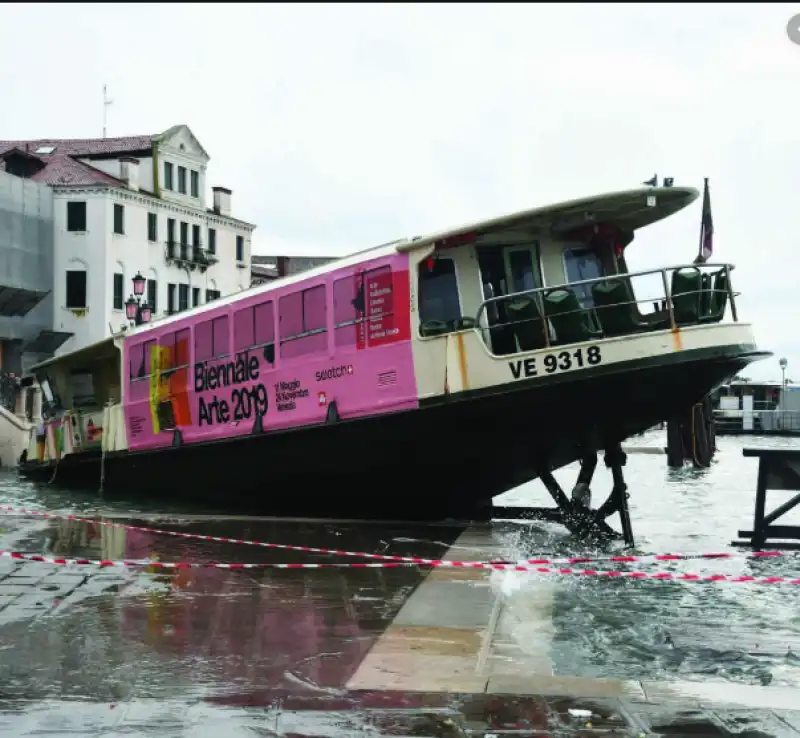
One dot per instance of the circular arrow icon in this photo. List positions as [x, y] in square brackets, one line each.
[793, 29]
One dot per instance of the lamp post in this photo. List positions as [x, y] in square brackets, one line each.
[137, 311]
[783, 364]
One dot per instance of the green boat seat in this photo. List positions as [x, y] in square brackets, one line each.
[523, 314]
[687, 292]
[569, 320]
[433, 328]
[616, 308]
[706, 293]
[718, 298]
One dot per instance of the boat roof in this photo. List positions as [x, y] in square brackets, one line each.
[97, 351]
[627, 209]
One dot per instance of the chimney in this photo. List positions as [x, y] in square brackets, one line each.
[222, 200]
[283, 266]
[129, 171]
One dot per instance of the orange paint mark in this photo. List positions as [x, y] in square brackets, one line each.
[462, 361]
[677, 339]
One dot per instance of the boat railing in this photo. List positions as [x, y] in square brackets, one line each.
[608, 306]
[768, 421]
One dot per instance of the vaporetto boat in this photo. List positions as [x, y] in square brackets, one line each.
[418, 379]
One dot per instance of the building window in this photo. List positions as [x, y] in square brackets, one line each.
[170, 298]
[195, 184]
[196, 236]
[76, 216]
[239, 248]
[170, 230]
[119, 219]
[118, 289]
[184, 240]
[152, 295]
[152, 227]
[212, 241]
[168, 174]
[303, 322]
[212, 339]
[76, 289]
[183, 297]
[182, 180]
[212, 295]
[195, 296]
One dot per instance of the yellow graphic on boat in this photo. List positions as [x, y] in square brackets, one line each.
[169, 387]
[159, 388]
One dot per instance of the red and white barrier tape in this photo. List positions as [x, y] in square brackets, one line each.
[620, 559]
[218, 539]
[659, 576]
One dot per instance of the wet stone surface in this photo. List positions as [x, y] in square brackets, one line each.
[87, 651]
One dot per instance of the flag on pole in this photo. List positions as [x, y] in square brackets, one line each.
[706, 228]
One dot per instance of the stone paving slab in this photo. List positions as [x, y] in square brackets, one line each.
[447, 602]
[563, 685]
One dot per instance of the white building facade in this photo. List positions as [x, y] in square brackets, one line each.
[136, 205]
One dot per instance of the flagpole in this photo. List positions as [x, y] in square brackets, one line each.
[702, 222]
[700, 258]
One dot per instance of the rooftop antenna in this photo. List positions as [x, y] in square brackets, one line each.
[106, 103]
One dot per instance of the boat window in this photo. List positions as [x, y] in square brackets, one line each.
[140, 358]
[254, 327]
[523, 276]
[582, 263]
[363, 308]
[212, 339]
[303, 322]
[348, 309]
[379, 298]
[81, 382]
[176, 355]
[438, 292]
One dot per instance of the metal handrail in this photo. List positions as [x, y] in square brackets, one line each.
[538, 294]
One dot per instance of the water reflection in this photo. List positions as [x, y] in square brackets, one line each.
[211, 631]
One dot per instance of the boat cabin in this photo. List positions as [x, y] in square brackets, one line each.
[77, 390]
[558, 276]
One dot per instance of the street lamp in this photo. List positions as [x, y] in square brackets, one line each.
[783, 364]
[138, 312]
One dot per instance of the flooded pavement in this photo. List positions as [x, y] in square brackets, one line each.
[340, 652]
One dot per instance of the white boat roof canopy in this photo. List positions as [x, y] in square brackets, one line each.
[627, 210]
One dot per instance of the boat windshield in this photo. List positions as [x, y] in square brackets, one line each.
[438, 292]
[583, 263]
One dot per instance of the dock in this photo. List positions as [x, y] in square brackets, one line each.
[778, 470]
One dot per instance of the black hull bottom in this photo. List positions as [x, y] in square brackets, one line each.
[447, 459]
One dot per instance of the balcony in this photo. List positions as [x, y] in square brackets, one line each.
[605, 307]
[189, 256]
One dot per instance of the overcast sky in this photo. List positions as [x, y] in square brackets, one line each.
[339, 127]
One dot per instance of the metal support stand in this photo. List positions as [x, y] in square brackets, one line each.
[576, 514]
[578, 518]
